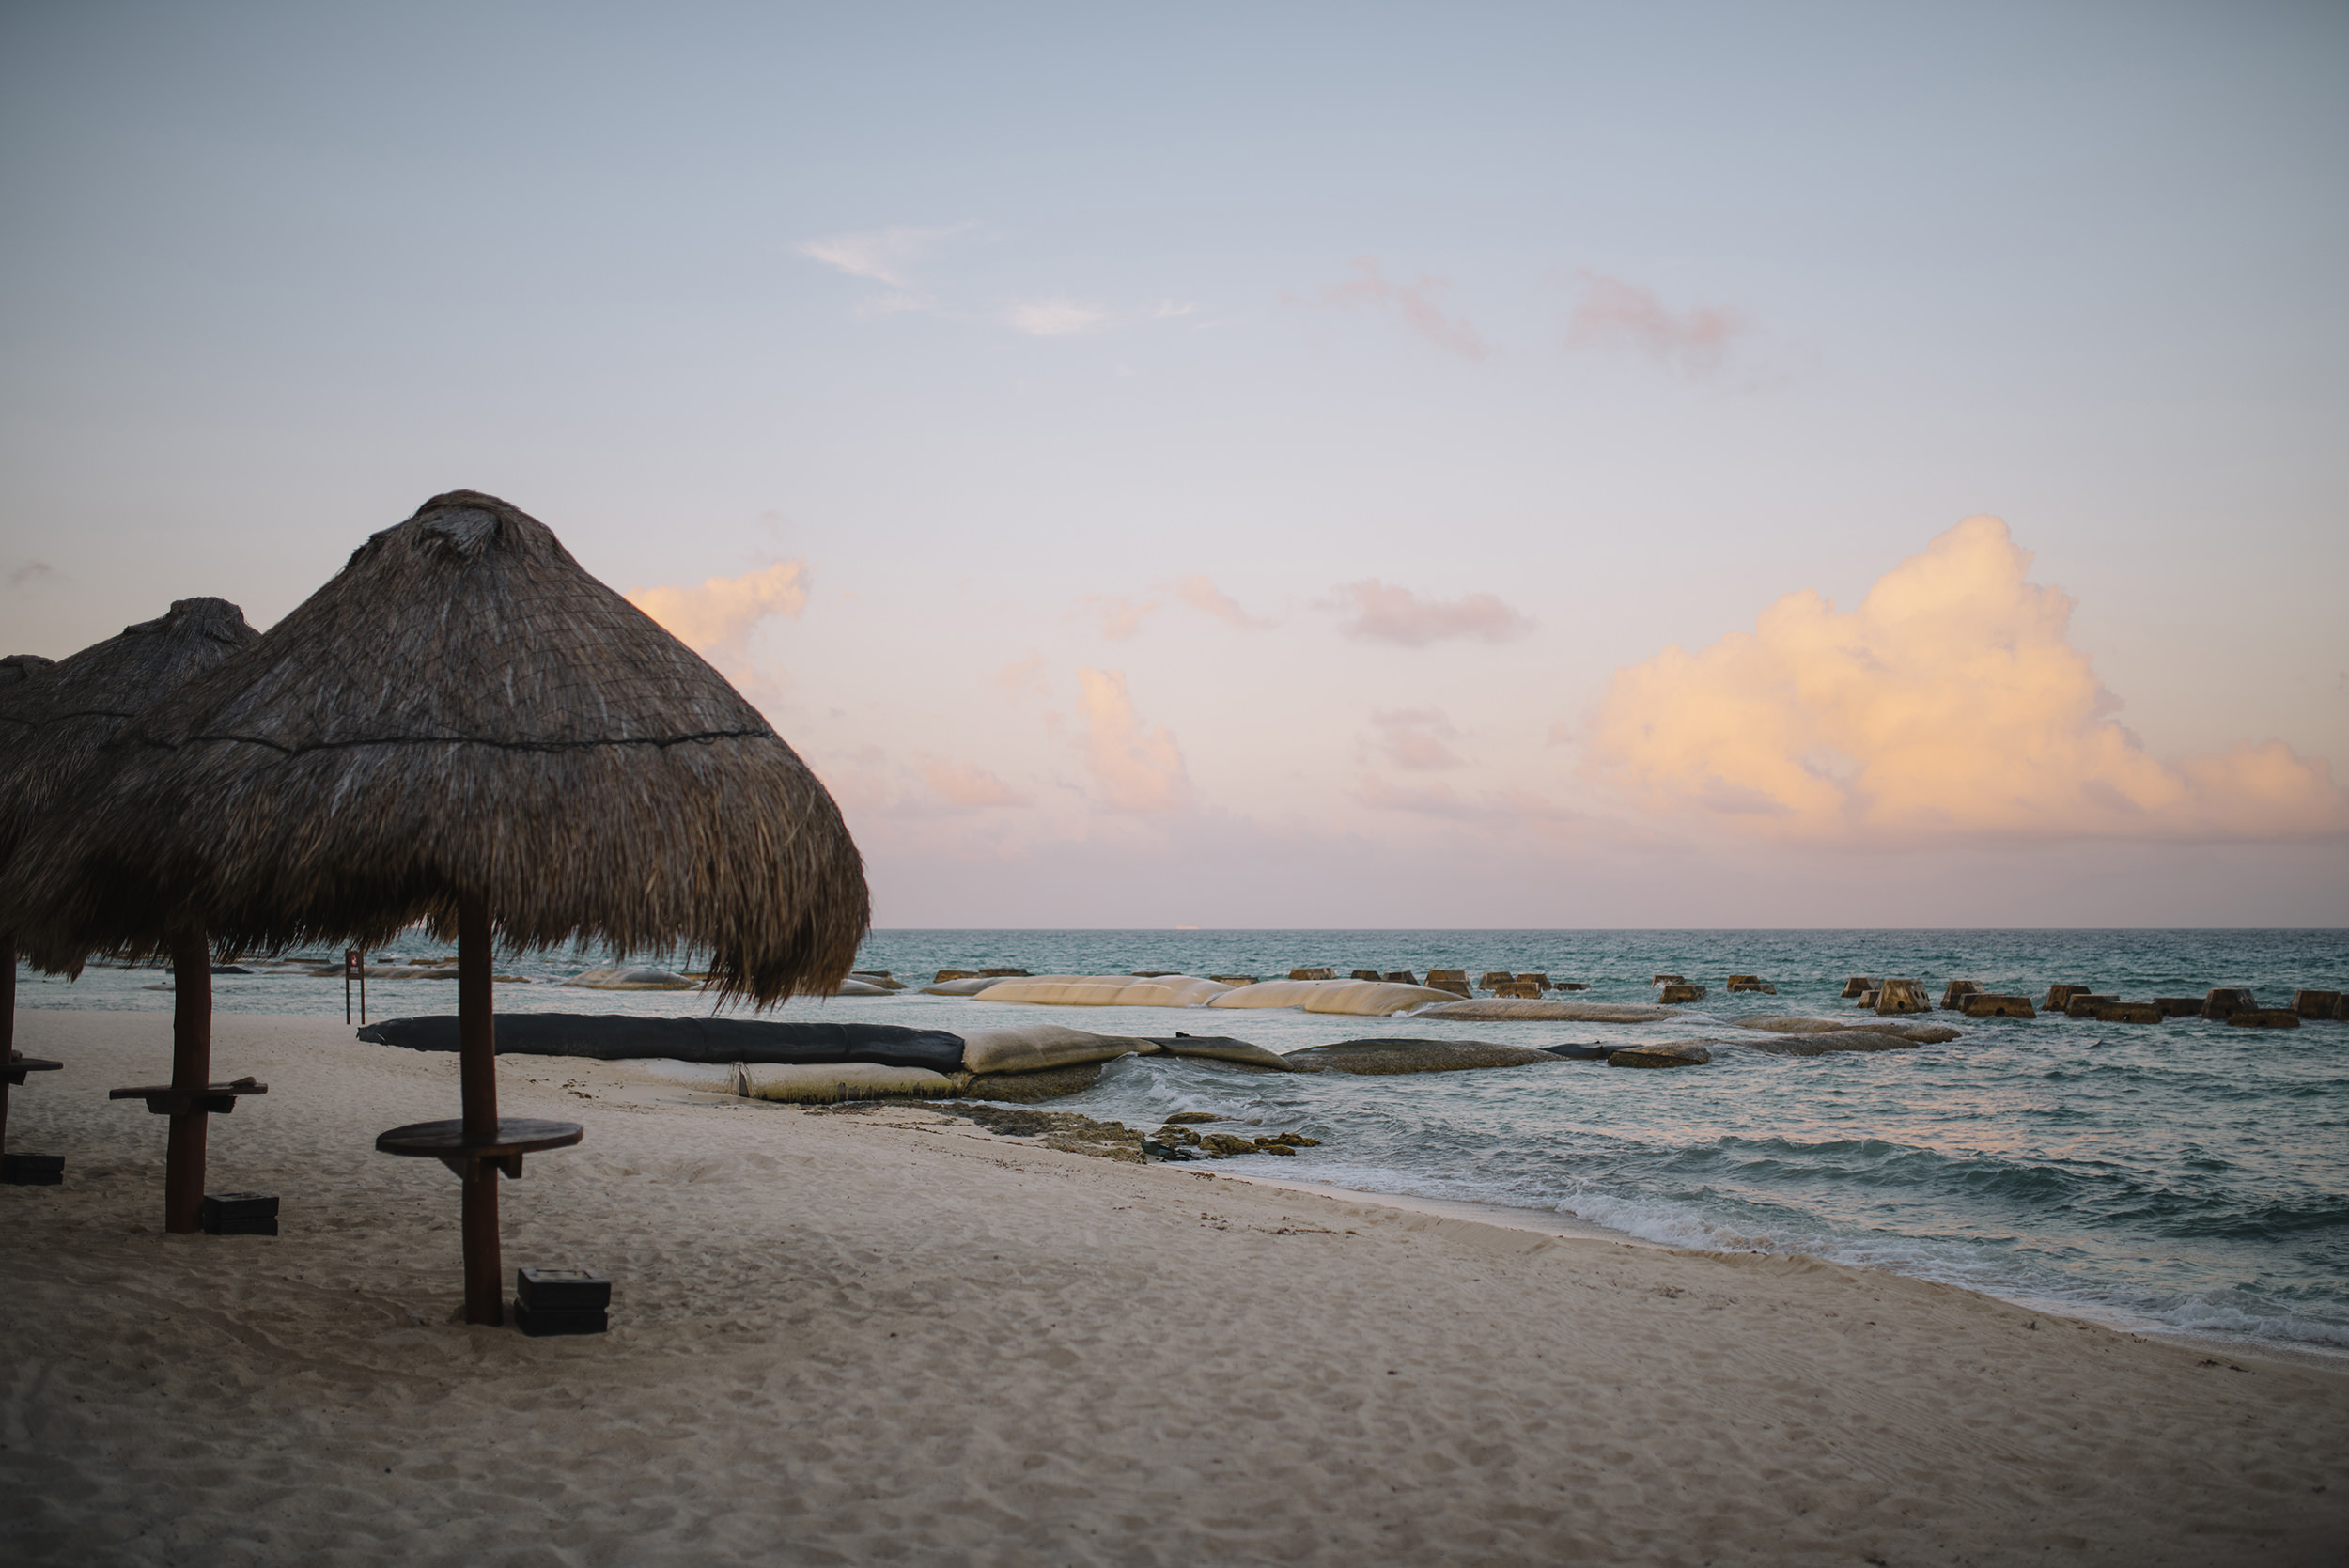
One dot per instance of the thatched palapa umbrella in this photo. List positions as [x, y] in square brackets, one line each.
[53, 723]
[465, 728]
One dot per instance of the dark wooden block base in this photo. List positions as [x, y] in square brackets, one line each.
[32, 1169]
[539, 1322]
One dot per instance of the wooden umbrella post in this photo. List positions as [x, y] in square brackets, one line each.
[8, 1022]
[191, 1072]
[478, 1081]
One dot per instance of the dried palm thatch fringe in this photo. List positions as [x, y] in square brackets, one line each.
[53, 723]
[464, 710]
[17, 668]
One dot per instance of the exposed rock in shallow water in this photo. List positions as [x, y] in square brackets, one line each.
[1548, 1010]
[1050, 1083]
[1378, 1058]
[1663, 1053]
[614, 978]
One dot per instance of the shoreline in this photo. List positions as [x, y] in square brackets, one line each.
[878, 1334]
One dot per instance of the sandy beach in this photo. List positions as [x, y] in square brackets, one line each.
[884, 1336]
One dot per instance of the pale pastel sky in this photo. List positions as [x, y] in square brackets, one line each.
[1283, 465]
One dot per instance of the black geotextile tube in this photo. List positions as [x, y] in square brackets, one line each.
[617, 1037]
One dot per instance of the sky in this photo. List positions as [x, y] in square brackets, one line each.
[1283, 465]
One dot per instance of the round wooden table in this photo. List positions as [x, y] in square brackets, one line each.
[446, 1142]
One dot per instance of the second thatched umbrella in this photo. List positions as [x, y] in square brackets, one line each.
[52, 723]
[465, 728]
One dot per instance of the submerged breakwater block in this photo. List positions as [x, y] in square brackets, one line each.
[1004, 974]
[240, 1213]
[32, 1169]
[1535, 979]
[1902, 996]
[1313, 974]
[1751, 982]
[1857, 986]
[1668, 980]
[1672, 994]
[2125, 1012]
[1455, 981]
[2179, 1007]
[2264, 1018]
[1234, 981]
[1569, 985]
[2316, 1004]
[1400, 977]
[1829, 1042]
[1365, 974]
[944, 975]
[1953, 995]
[1663, 1053]
[2082, 1005]
[1548, 1010]
[2224, 1002]
[2060, 996]
[1525, 988]
[1983, 1004]
[1491, 978]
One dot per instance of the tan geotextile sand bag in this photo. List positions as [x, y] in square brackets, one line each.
[823, 1081]
[1106, 990]
[1360, 998]
[1038, 1047]
[1549, 1010]
[1372, 999]
[966, 988]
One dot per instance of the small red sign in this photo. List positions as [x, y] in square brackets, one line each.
[351, 962]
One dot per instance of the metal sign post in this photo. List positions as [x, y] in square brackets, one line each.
[354, 968]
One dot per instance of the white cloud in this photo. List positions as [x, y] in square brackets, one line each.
[1412, 738]
[1057, 317]
[882, 254]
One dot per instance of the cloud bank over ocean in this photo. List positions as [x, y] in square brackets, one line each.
[1950, 702]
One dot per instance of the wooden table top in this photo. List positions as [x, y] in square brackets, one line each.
[515, 1135]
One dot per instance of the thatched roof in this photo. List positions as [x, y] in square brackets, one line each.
[463, 708]
[53, 723]
[17, 668]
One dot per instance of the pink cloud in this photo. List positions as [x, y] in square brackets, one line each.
[1022, 678]
[1202, 593]
[717, 618]
[1121, 617]
[966, 783]
[1139, 767]
[1415, 300]
[1613, 314]
[1378, 613]
[1951, 703]
[1413, 738]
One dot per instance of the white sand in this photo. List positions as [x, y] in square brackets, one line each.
[881, 1338]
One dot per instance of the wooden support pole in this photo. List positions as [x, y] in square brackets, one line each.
[478, 1081]
[8, 1021]
[191, 1070]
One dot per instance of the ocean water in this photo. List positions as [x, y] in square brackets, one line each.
[2183, 1176]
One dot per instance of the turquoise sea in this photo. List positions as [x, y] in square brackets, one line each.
[2185, 1176]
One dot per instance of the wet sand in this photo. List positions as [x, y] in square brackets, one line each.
[881, 1336]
